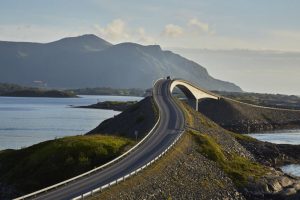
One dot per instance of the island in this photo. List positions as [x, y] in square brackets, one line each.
[13, 90]
[110, 105]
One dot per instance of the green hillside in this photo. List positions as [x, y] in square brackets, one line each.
[53, 161]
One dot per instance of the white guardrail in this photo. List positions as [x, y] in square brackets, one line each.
[34, 194]
[99, 189]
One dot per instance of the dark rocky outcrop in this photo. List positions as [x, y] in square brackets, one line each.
[139, 117]
[246, 118]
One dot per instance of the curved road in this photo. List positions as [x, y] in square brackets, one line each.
[169, 127]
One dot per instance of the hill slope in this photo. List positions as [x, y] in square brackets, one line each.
[89, 61]
[26, 170]
[245, 118]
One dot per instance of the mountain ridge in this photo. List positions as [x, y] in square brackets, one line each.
[89, 61]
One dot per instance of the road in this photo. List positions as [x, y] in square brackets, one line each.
[169, 127]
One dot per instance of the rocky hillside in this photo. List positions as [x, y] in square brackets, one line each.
[244, 118]
[139, 117]
[89, 61]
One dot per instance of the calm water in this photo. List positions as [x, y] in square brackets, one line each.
[279, 137]
[26, 121]
[283, 137]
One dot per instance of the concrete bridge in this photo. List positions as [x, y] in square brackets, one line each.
[192, 92]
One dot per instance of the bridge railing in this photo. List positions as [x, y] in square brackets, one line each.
[196, 86]
[63, 183]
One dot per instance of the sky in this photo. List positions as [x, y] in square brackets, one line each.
[241, 31]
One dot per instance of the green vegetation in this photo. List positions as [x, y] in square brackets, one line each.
[241, 137]
[237, 167]
[52, 161]
[108, 91]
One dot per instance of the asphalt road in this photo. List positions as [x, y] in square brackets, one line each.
[170, 126]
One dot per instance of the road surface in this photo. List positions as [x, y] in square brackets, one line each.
[169, 127]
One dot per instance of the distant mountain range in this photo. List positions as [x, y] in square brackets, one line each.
[89, 61]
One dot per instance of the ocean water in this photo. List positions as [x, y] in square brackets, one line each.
[279, 137]
[282, 137]
[25, 121]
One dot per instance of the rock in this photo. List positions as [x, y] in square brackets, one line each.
[274, 186]
[296, 186]
[285, 181]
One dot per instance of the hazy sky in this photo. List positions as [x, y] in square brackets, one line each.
[178, 25]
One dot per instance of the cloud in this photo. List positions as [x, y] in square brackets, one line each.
[295, 35]
[118, 31]
[172, 31]
[199, 26]
[115, 31]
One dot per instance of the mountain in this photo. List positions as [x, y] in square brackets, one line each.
[89, 61]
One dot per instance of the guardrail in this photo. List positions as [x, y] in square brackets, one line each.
[33, 194]
[100, 189]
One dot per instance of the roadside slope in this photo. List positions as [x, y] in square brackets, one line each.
[139, 117]
[244, 118]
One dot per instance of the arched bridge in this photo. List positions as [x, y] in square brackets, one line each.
[192, 92]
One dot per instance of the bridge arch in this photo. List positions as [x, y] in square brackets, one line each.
[192, 92]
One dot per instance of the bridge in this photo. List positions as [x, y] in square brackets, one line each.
[165, 133]
[192, 92]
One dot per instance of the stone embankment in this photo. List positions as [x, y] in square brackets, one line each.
[245, 118]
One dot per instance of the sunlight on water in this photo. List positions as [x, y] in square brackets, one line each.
[292, 169]
[279, 137]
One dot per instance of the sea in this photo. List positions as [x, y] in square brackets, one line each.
[25, 121]
[282, 137]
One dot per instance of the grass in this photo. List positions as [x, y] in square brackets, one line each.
[52, 161]
[238, 168]
[242, 137]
